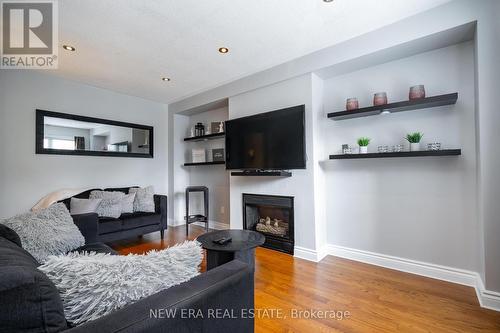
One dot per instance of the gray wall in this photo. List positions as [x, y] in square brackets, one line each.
[301, 185]
[417, 208]
[25, 177]
[488, 87]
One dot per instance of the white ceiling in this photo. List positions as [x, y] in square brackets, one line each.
[128, 45]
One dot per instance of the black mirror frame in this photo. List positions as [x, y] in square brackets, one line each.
[39, 149]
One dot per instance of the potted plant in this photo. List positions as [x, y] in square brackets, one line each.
[414, 140]
[363, 145]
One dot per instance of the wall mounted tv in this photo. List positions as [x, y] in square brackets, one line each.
[267, 141]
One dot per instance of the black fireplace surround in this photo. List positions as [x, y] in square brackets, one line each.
[273, 216]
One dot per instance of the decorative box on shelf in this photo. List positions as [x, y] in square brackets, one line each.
[198, 155]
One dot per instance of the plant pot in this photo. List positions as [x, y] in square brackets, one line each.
[363, 149]
[415, 146]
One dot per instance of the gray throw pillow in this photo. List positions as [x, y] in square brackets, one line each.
[111, 203]
[95, 284]
[46, 232]
[83, 206]
[128, 203]
[144, 199]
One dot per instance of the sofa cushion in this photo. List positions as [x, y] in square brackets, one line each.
[128, 203]
[111, 204]
[29, 300]
[46, 232]
[144, 199]
[109, 224]
[83, 206]
[135, 220]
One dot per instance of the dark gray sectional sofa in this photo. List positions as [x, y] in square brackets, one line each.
[128, 225]
[30, 302]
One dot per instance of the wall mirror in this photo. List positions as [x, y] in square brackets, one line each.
[68, 134]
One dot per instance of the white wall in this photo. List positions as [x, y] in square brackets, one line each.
[25, 176]
[418, 208]
[281, 95]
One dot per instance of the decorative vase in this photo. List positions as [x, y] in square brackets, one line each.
[414, 146]
[352, 104]
[417, 92]
[363, 149]
[380, 98]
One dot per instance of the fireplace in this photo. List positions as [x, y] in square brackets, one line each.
[272, 216]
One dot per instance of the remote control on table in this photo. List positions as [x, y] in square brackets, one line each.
[222, 241]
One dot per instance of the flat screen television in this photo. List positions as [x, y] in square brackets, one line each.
[267, 141]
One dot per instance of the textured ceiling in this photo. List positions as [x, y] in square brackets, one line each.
[128, 45]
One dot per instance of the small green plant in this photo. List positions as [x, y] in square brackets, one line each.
[414, 137]
[363, 142]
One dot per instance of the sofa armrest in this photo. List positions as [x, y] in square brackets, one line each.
[197, 305]
[161, 208]
[88, 225]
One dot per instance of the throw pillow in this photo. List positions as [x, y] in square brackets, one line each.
[144, 199]
[83, 206]
[49, 231]
[111, 203]
[128, 203]
[95, 284]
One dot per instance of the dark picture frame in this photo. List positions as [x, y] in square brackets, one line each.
[39, 149]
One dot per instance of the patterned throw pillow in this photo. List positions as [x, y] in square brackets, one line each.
[128, 203]
[144, 199]
[111, 203]
[49, 231]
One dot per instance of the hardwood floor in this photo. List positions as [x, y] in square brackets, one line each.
[372, 299]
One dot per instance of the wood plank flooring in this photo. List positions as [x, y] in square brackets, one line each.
[367, 298]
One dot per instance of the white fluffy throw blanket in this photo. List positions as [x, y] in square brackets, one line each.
[56, 196]
[94, 284]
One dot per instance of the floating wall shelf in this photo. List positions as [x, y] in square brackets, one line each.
[444, 152]
[206, 137]
[423, 103]
[205, 163]
[277, 173]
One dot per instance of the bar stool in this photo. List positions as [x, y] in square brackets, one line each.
[198, 217]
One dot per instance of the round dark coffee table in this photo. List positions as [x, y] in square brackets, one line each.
[242, 246]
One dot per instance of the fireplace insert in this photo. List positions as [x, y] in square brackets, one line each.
[272, 216]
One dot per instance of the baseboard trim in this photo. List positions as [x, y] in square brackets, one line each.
[306, 254]
[487, 299]
[214, 225]
[439, 272]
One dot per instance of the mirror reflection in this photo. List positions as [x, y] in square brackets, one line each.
[77, 135]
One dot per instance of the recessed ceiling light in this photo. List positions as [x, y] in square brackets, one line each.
[69, 48]
[386, 112]
[166, 79]
[223, 50]
[327, 0]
